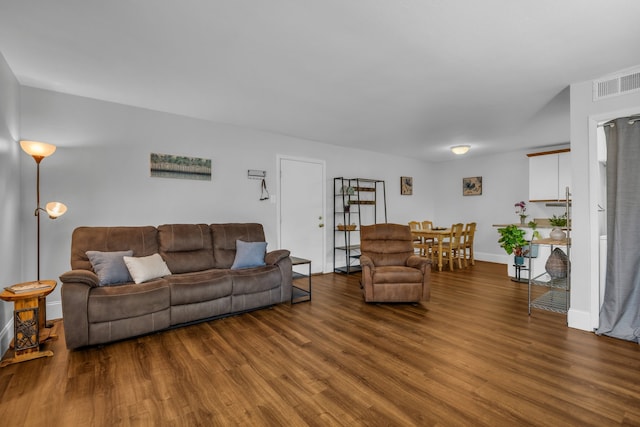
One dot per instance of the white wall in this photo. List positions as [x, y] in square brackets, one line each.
[10, 226]
[505, 181]
[585, 115]
[101, 171]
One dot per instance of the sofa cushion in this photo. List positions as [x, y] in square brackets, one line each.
[249, 254]
[108, 303]
[142, 241]
[143, 269]
[110, 266]
[253, 280]
[189, 288]
[224, 238]
[186, 247]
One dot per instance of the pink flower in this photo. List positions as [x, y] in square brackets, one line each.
[521, 208]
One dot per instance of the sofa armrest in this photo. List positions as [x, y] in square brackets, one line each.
[274, 257]
[280, 258]
[75, 306]
[85, 277]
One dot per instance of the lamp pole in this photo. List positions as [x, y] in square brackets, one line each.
[38, 159]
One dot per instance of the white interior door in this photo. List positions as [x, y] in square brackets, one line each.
[302, 209]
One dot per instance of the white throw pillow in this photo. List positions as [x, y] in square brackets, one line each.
[143, 269]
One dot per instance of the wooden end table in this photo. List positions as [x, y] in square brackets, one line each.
[29, 322]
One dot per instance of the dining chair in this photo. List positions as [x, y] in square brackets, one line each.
[428, 242]
[417, 241]
[467, 243]
[452, 246]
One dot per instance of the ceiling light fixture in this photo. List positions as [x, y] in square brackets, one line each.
[460, 149]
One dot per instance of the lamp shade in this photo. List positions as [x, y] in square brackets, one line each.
[460, 149]
[55, 209]
[37, 149]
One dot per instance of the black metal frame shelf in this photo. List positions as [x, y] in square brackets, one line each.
[357, 201]
[299, 294]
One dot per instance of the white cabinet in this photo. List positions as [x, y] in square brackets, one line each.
[549, 175]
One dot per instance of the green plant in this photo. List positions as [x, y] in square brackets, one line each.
[558, 221]
[512, 240]
[536, 233]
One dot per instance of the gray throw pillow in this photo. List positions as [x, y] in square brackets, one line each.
[110, 266]
[249, 254]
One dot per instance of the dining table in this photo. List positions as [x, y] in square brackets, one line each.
[438, 234]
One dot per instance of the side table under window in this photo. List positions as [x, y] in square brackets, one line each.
[298, 292]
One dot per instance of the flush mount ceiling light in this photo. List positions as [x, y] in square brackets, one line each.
[460, 149]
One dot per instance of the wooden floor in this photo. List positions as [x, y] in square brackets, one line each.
[471, 356]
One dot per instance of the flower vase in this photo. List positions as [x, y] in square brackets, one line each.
[522, 219]
[557, 234]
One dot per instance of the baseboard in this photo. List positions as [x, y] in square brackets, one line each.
[578, 319]
[54, 310]
[6, 335]
[489, 257]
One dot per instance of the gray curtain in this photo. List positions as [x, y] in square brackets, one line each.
[620, 312]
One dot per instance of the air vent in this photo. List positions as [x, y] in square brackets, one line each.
[621, 84]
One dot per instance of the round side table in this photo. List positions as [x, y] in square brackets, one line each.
[29, 321]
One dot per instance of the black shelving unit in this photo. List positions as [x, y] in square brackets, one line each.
[357, 202]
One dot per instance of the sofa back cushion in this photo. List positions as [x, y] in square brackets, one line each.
[186, 247]
[143, 241]
[224, 240]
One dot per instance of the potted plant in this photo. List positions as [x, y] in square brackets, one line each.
[521, 208]
[557, 222]
[513, 242]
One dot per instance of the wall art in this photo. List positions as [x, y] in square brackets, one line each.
[171, 166]
[406, 185]
[472, 186]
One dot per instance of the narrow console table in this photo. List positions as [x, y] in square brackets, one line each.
[29, 321]
[299, 294]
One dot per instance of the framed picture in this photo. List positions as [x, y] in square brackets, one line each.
[172, 166]
[406, 185]
[472, 186]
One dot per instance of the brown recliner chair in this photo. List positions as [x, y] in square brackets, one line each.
[390, 270]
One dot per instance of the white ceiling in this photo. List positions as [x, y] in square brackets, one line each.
[409, 77]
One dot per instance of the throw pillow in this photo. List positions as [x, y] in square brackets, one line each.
[110, 267]
[249, 254]
[146, 268]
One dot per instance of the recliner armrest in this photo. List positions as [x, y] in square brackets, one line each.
[84, 277]
[366, 261]
[419, 262]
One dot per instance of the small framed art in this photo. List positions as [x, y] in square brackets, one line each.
[472, 186]
[406, 185]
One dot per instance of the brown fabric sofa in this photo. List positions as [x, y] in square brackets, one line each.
[390, 270]
[201, 286]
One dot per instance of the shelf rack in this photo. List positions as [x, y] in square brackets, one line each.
[357, 201]
[557, 297]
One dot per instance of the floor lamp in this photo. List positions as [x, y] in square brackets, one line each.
[40, 150]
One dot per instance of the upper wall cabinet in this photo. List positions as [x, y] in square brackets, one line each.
[549, 175]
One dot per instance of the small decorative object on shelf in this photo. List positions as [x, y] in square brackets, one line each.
[557, 222]
[557, 264]
[27, 287]
[521, 208]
